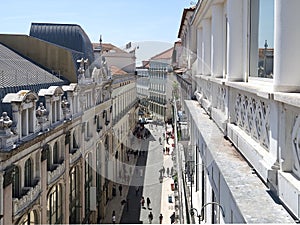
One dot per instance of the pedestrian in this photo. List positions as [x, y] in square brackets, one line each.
[150, 217]
[172, 171]
[114, 217]
[143, 201]
[168, 171]
[163, 171]
[120, 189]
[164, 150]
[137, 190]
[148, 202]
[160, 218]
[172, 217]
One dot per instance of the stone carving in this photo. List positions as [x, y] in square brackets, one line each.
[5, 121]
[22, 203]
[221, 96]
[252, 115]
[41, 113]
[55, 174]
[296, 144]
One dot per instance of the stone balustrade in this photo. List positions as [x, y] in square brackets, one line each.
[264, 126]
[55, 174]
[21, 203]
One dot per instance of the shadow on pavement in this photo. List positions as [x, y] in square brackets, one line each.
[132, 209]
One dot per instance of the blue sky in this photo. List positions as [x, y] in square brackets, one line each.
[118, 21]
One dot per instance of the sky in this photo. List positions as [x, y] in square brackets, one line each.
[118, 21]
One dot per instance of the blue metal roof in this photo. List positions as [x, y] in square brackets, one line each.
[71, 36]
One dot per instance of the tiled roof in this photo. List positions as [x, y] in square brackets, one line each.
[117, 71]
[107, 47]
[167, 54]
[17, 71]
[183, 18]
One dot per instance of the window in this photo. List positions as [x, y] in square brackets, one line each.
[30, 219]
[261, 38]
[74, 196]
[75, 144]
[28, 173]
[54, 205]
[55, 153]
[16, 184]
[88, 181]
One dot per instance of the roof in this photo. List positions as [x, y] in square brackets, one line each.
[59, 60]
[18, 71]
[70, 36]
[110, 47]
[167, 54]
[184, 14]
[114, 70]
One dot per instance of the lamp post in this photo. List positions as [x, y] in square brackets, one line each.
[201, 216]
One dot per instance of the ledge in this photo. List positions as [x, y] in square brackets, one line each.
[242, 190]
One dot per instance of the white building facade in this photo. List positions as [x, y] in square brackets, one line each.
[243, 130]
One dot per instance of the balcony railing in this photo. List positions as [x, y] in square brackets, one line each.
[32, 194]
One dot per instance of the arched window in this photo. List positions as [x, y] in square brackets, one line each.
[88, 180]
[74, 196]
[55, 153]
[28, 173]
[75, 144]
[54, 205]
[29, 219]
[16, 183]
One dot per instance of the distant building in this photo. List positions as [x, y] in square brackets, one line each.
[116, 57]
[161, 83]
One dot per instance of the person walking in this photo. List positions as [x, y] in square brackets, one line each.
[113, 217]
[148, 202]
[168, 172]
[137, 190]
[172, 217]
[142, 201]
[120, 189]
[150, 217]
[160, 218]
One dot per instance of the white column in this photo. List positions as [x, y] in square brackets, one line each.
[286, 45]
[217, 41]
[199, 51]
[235, 40]
[207, 46]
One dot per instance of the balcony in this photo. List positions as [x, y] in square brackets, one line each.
[55, 174]
[32, 193]
[75, 156]
[258, 122]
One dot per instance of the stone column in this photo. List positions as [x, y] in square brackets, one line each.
[286, 46]
[207, 46]
[234, 40]
[217, 41]
[199, 51]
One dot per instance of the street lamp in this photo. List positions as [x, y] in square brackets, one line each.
[201, 216]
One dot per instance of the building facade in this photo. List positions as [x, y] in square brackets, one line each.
[242, 158]
[58, 155]
[161, 82]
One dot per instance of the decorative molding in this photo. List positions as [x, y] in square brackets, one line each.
[296, 145]
[252, 116]
[24, 201]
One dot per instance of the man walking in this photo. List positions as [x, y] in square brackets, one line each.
[120, 189]
[148, 202]
[150, 217]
